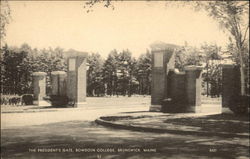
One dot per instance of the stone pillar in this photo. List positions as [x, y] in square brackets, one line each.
[175, 103]
[58, 95]
[39, 88]
[77, 79]
[230, 84]
[193, 88]
[58, 83]
[163, 61]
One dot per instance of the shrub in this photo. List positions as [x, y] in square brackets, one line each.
[10, 100]
[57, 100]
[170, 105]
[27, 99]
[240, 104]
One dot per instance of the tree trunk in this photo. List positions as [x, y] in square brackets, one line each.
[207, 80]
[93, 92]
[242, 73]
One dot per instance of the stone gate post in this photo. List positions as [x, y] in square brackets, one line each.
[193, 88]
[58, 83]
[58, 92]
[39, 88]
[163, 61]
[77, 78]
[230, 83]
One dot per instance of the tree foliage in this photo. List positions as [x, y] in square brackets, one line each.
[212, 75]
[143, 72]
[91, 3]
[118, 71]
[94, 76]
[18, 64]
[4, 17]
[118, 74]
[233, 17]
[109, 72]
[187, 55]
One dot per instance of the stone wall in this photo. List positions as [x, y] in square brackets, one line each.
[59, 94]
[230, 83]
[58, 83]
[176, 98]
[184, 91]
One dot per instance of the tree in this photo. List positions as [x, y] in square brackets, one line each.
[58, 62]
[212, 76]
[118, 70]
[124, 72]
[187, 55]
[90, 4]
[16, 73]
[18, 64]
[143, 72]
[109, 73]
[232, 50]
[4, 17]
[232, 17]
[4, 20]
[95, 85]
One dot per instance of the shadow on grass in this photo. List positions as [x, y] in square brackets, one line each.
[79, 134]
[133, 112]
[51, 107]
[219, 123]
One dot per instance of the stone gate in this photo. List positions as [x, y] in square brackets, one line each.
[174, 91]
[67, 88]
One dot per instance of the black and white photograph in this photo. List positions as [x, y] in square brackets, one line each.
[124, 79]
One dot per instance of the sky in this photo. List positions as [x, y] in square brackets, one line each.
[132, 25]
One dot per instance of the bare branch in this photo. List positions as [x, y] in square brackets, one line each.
[237, 29]
[245, 34]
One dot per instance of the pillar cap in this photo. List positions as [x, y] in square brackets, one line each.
[176, 71]
[192, 68]
[58, 73]
[159, 46]
[228, 65]
[39, 73]
[73, 54]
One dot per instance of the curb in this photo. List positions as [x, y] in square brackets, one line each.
[160, 130]
[38, 110]
[54, 109]
[28, 111]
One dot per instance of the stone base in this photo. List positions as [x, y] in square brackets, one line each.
[226, 110]
[211, 108]
[41, 103]
[80, 104]
[198, 109]
[155, 108]
[193, 109]
[206, 108]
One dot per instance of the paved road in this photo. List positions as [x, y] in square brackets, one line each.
[95, 108]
